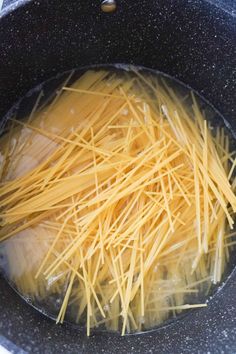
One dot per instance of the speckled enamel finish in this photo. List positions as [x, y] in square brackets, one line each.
[192, 40]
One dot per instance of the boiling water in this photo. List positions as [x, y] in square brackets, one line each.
[19, 258]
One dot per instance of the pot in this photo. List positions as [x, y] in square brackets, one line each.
[193, 41]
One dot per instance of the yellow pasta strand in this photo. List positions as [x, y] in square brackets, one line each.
[116, 200]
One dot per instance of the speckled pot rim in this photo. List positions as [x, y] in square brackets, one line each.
[151, 339]
[9, 8]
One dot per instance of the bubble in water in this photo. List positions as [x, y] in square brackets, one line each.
[108, 6]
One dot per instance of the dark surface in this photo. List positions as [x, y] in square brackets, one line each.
[188, 39]
[211, 330]
[192, 40]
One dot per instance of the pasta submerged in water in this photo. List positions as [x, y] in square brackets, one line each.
[116, 203]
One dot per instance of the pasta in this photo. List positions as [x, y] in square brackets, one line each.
[117, 200]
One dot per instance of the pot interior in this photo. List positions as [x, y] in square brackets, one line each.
[193, 41]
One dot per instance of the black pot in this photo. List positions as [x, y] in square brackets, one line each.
[192, 40]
